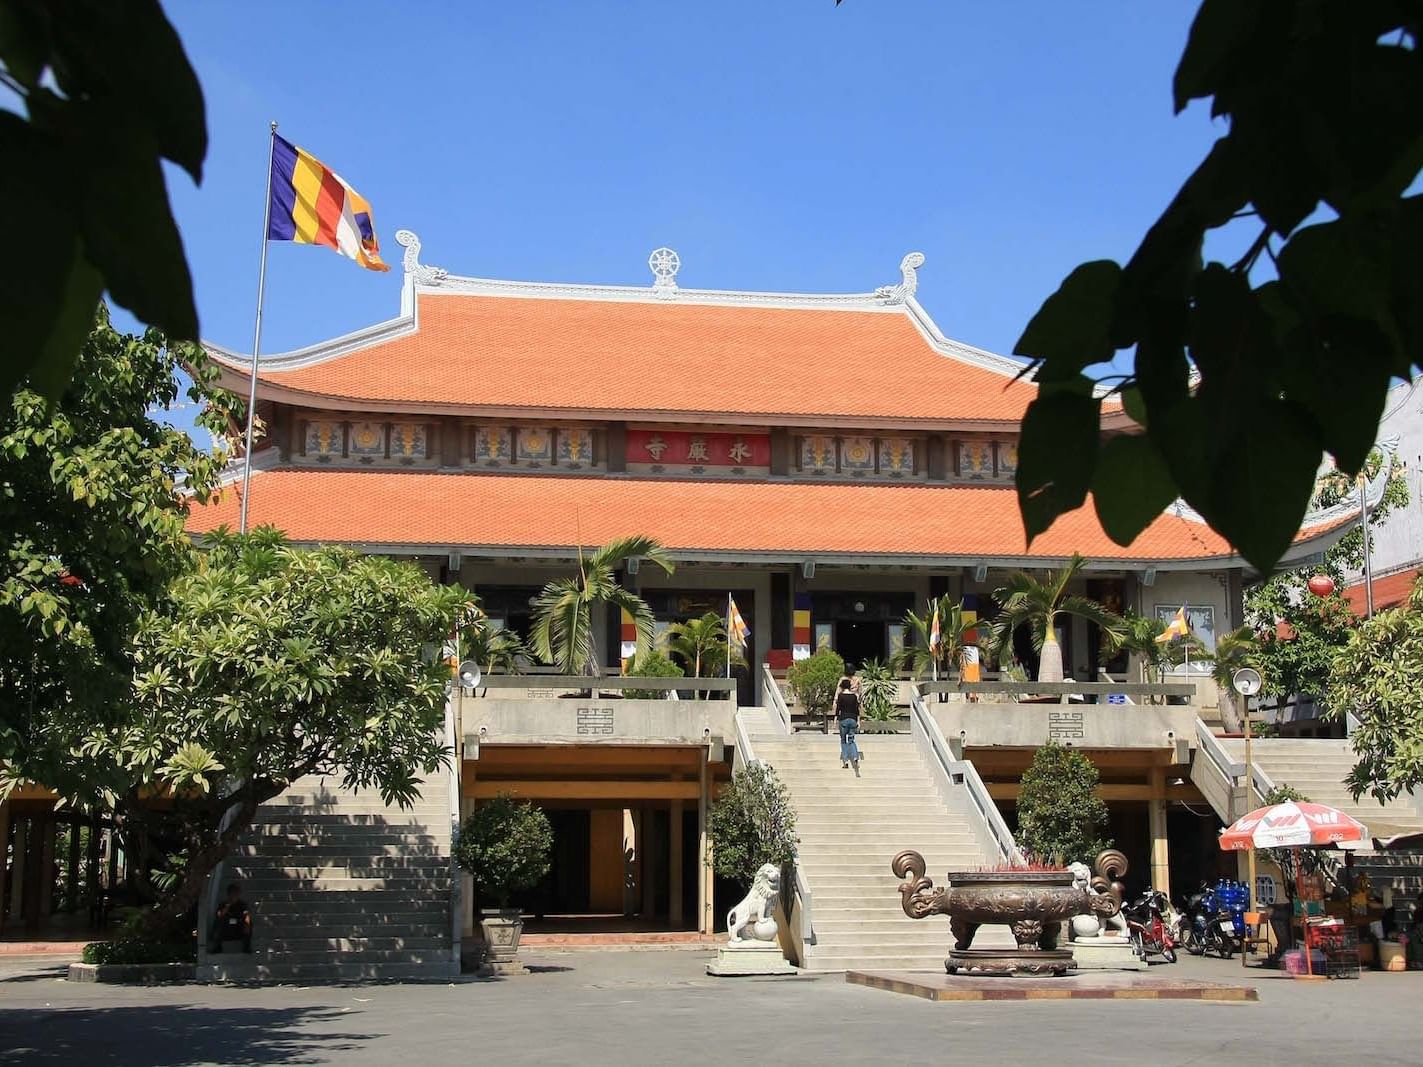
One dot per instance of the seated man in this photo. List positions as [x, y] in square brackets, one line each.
[233, 921]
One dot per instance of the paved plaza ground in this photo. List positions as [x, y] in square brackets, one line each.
[659, 1007]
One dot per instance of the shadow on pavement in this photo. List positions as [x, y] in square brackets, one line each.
[173, 1036]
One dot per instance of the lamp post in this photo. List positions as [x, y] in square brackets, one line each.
[1246, 682]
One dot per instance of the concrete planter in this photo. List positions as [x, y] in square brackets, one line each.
[502, 929]
[132, 973]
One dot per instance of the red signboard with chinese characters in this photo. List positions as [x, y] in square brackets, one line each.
[682, 448]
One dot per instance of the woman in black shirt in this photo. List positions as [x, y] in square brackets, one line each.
[847, 710]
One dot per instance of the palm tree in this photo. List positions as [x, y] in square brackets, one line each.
[702, 641]
[562, 632]
[1025, 600]
[1234, 650]
[917, 658]
[493, 649]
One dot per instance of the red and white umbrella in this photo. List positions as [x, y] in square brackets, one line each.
[1293, 824]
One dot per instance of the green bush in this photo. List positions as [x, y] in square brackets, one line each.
[504, 846]
[134, 950]
[652, 664]
[752, 822]
[814, 678]
[878, 689]
[1060, 816]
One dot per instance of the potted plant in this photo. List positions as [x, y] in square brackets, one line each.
[652, 664]
[504, 846]
[1025, 600]
[878, 689]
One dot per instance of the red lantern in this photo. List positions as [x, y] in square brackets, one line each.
[1321, 585]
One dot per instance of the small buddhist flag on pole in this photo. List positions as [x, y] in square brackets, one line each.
[1177, 627]
[935, 640]
[736, 630]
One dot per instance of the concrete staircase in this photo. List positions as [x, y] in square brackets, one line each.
[850, 828]
[343, 888]
[1317, 768]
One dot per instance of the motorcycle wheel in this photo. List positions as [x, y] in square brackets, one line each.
[1169, 955]
[1136, 944]
[1189, 941]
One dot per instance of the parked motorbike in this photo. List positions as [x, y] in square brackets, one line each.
[1213, 920]
[1149, 927]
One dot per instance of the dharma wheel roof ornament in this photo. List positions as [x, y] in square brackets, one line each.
[664, 264]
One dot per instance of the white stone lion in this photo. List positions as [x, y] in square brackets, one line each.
[753, 916]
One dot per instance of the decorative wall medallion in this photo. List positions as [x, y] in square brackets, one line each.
[575, 447]
[857, 454]
[492, 445]
[323, 439]
[817, 454]
[367, 439]
[408, 440]
[975, 460]
[535, 444]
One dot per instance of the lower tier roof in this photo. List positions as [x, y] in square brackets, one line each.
[509, 513]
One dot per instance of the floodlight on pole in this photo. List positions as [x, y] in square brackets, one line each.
[1247, 681]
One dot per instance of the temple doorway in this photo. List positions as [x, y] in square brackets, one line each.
[860, 640]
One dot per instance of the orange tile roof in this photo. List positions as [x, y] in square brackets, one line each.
[478, 510]
[1389, 591]
[494, 352]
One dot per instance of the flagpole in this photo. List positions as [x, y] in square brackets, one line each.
[257, 336]
[728, 635]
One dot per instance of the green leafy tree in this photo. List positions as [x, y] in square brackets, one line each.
[1295, 342]
[1298, 633]
[1378, 677]
[1061, 819]
[652, 664]
[1025, 600]
[878, 689]
[751, 823]
[94, 489]
[494, 648]
[563, 622]
[917, 658]
[265, 664]
[813, 681]
[504, 846]
[106, 94]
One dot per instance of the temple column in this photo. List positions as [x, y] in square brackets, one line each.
[646, 876]
[4, 846]
[17, 869]
[45, 896]
[1156, 821]
[631, 855]
[704, 874]
[674, 867]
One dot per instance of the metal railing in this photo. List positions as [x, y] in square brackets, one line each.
[1017, 691]
[1233, 770]
[775, 700]
[958, 774]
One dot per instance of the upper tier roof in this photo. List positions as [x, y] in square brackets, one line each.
[477, 346]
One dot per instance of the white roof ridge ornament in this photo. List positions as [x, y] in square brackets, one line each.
[664, 264]
[909, 283]
[422, 274]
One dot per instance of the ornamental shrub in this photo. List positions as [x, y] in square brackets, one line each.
[651, 664]
[877, 691]
[814, 678]
[1060, 817]
[504, 845]
[751, 823]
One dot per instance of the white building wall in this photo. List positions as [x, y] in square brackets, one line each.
[1398, 543]
[1206, 596]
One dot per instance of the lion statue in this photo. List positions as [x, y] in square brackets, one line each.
[751, 920]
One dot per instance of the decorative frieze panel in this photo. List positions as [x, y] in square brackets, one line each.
[575, 448]
[976, 460]
[1007, 459]
[409, 442]
[818, 455]
[695, 452]
[858, 456]
[325, 439]
[535, 445]
[493, 446]
[367, 441]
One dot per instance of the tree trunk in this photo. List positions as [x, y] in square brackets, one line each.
[1229, 714]
[164, 920]
[1050, 659]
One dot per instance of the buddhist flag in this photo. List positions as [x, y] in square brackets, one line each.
[1177, 627]
[311, 204]
[736, 627]
[935, 638]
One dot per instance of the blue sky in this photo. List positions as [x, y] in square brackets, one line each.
[784, 145]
